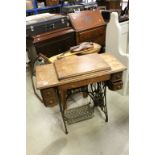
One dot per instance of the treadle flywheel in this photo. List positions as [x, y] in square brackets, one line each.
[78, 114]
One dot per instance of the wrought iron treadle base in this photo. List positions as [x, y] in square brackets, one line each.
[78, 114]
[97, 92]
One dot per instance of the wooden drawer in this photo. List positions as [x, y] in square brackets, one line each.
[116, 77]
[115, 85]
[49, 97]
[96, 35]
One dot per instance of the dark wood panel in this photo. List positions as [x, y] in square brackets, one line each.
[96, 35]
[52, 34]
[56, 45]
[51, 43]
[111, 4]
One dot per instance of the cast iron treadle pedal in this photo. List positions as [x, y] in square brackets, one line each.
[78, 114]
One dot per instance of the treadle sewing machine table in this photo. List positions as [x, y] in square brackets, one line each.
[47, 78]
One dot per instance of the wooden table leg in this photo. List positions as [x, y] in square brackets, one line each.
[63, 94]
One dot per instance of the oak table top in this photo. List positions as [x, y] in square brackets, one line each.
[46, 75]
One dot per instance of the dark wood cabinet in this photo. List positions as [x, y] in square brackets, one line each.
[51, 43]
[56, 45]
[89, 26]
[96, 35]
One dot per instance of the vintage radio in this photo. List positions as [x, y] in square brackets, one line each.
[51, 43]
[37, 24]
[89, 26]
[72, 8]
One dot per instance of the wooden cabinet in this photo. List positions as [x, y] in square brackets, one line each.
[89, 26]
[51, 43]
[96, 35]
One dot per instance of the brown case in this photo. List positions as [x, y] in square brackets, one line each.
[85, 20]
[51, 43]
